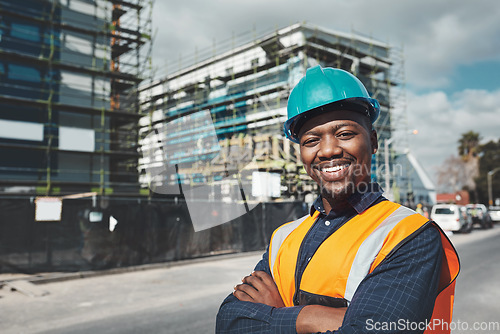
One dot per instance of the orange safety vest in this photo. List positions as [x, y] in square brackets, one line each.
[344, 259]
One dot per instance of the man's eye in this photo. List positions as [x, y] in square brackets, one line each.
[310, 141]
[346, 135]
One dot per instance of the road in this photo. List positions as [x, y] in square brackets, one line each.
[185, 298]
[477, 298]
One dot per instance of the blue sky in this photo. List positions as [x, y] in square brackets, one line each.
[451, 53]
[480, 75]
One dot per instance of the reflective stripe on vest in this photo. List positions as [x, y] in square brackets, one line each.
[370, 247]
[278, 238]
[344, 259]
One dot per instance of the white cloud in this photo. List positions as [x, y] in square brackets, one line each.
[437, 35]
[460, 36]
[441, 120]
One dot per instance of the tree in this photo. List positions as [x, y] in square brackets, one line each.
[489, 160]
[469, 170]
[451, 175]
[468, 145]
[468, 148]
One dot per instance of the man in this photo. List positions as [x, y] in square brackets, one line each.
[357, 263]
[419, 209]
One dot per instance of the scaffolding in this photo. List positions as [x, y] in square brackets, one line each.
[400, 174]
[70, 73]
[244, 87]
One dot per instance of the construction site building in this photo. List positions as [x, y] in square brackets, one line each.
[243, 88]
[69, 73]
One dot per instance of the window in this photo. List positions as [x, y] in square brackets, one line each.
[26, 32]
[444, 211]
[76, 139]
[21, 130]
[23, 73]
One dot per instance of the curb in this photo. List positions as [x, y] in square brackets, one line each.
[44, 278]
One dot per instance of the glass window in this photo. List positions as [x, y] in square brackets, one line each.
[21, 130]
[25, 31]
[24, 73]
[444, 211]
[76, 139]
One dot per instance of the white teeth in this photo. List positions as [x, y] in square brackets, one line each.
[333, 169]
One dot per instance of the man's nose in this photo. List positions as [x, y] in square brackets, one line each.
[329, 148]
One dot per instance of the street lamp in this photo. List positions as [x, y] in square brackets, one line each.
[387, 142]
[490, 190]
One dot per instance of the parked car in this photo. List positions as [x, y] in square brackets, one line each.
[452, 217]
[494, 212]
[480, 215]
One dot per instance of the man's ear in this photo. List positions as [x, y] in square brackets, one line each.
[374, 141]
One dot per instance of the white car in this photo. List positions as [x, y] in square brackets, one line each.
[452, 217]
[494, 212]
[480, 215]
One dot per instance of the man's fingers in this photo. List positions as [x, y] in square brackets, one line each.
[270, 294]
[241, 290]
[259, 287]
[242, 296]
[264, 277]
[256, 282]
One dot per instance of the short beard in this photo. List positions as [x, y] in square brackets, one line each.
[340, 195]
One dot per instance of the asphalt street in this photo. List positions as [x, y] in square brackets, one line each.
[185, 298]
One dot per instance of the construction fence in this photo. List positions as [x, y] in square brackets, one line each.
[126, 232]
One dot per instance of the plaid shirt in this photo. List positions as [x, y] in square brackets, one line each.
[401, 289]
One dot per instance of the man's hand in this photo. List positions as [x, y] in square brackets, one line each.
[318, 318]
[259, 287]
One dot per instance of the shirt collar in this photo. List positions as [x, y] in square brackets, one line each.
[360, 201]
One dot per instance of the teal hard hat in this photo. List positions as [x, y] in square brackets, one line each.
[323, 90]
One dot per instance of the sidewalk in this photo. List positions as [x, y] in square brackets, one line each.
[184, 296]
[173, 298]
[49, 277]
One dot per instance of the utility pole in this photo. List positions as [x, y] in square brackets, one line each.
[387, 189]
[490, 190]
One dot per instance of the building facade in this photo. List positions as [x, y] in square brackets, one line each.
[412, 185]
[68, 94]
[240, 96]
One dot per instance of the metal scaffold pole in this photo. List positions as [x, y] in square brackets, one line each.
[71, 70]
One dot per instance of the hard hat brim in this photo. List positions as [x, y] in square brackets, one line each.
[366, 106]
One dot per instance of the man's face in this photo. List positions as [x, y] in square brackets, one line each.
[336, 149]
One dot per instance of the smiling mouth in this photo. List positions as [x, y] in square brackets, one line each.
[334, 169]
[333, 173]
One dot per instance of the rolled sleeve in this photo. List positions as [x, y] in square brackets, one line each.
[237, 316]
[284, 320]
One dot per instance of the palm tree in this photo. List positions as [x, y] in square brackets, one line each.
[468, 149]
[468, 145]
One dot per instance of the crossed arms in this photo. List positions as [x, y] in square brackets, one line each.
[404, 286]
[259, 287]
